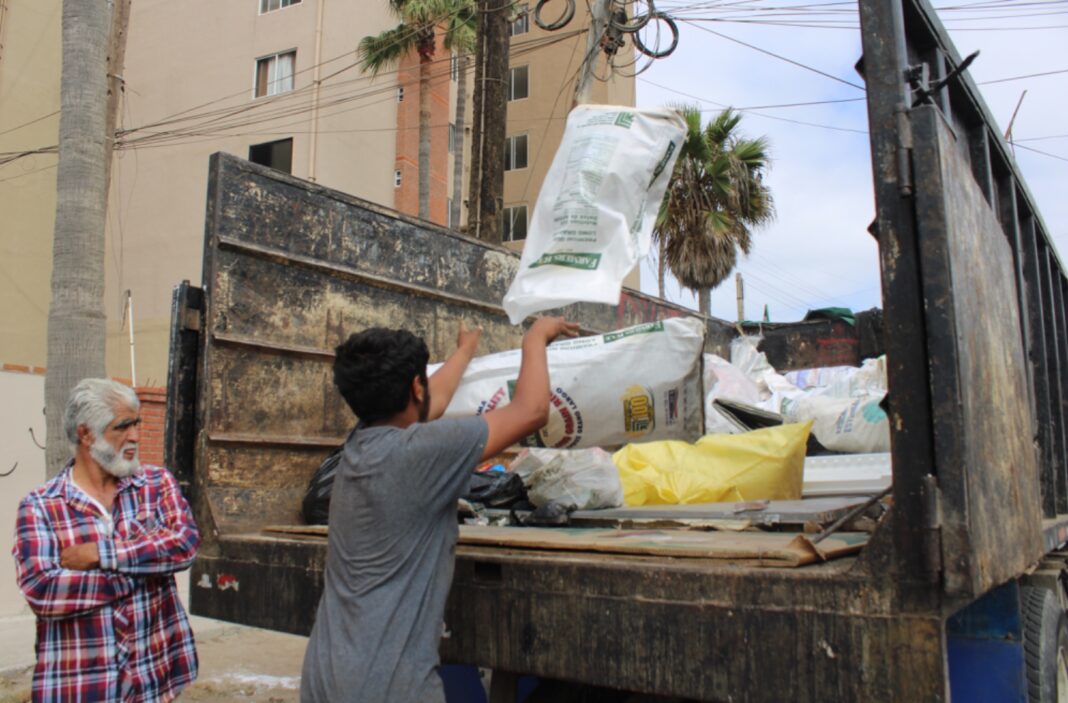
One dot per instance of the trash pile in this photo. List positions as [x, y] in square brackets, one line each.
[844, 403]
[643, 417]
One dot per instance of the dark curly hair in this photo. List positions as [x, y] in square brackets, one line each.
[373, 370]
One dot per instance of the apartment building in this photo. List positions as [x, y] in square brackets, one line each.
[277, 82]
[29, 119]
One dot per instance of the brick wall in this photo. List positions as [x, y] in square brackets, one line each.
[153, 404]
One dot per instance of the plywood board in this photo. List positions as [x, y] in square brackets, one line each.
[766, 548]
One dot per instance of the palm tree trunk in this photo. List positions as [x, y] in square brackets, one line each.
[76, 319]
[424, 138]
[458, 145]
[704, 301]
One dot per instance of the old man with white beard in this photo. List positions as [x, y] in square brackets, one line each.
[95, 549]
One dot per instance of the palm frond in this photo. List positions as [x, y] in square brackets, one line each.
[381, 50]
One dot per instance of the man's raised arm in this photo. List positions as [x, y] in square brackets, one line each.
[446, 379]
[528, 410]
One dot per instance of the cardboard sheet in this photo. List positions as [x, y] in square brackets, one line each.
[781, 549]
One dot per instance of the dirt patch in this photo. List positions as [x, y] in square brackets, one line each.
[236, 664]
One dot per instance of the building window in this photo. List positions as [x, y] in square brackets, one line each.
[515, 224]
[274, 74]
[454, 67]
[396, 179]
[272, 5]
[277, 155]
[515, 152]
[521, 23]
[448, 212]
[452, 138]
[517, 82]
[400, 94]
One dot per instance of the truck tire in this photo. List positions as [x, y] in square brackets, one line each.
[1045, 630]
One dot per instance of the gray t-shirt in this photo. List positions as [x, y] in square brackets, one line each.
[389, 562]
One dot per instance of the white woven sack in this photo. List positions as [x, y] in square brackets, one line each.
[594, 217]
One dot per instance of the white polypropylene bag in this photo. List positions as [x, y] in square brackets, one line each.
[642, 383]
[594, 217]
[585, 478]
[842, 381]
[853, 425]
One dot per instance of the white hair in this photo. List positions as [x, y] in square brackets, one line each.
[92, 403]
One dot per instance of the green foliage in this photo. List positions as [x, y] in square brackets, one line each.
[715, 199]
[419, 21]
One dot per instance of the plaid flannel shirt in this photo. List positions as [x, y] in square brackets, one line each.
[117, 632]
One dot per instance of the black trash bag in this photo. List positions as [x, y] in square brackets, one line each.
[552, 514]
[495, 489]
[316, 505]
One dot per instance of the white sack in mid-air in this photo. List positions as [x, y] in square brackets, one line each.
[594, 217]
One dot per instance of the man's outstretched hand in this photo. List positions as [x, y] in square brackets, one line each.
[549, 328]
[468, 339]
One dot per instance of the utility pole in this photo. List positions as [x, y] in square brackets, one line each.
[494, 86]
[739, 290]
[600, 11]
[478, 113]
[120, 22]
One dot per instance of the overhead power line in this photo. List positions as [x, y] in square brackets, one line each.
[780, 57]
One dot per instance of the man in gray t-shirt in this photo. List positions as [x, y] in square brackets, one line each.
[392, 526]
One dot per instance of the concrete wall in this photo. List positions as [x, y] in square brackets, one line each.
[23, 408]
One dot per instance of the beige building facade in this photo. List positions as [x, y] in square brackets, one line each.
[276, 81]
[29, 119]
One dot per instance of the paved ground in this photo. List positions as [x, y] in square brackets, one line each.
[236, 663]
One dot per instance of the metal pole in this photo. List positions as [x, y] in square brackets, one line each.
[600, 10]
[133, 362]
[739, 288]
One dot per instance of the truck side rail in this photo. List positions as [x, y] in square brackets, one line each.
[974, 294]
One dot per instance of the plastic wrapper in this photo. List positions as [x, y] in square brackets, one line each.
[762, 464]
[584, 478]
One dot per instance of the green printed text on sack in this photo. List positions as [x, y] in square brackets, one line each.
[575, 260]
[638, 329]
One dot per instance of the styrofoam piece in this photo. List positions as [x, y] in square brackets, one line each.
[846, 474]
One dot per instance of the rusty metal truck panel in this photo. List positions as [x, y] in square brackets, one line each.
[960, 322]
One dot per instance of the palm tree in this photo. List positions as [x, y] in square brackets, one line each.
[419, 23]
[76, 315]
[715, 199]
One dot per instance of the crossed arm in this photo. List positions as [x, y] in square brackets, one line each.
[62, 582]
[53, 589]
[168, 547]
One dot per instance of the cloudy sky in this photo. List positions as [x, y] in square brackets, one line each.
[818, 252]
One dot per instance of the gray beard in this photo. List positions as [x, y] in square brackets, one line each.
[112, 461]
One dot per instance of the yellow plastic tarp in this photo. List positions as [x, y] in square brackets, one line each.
[762, 464]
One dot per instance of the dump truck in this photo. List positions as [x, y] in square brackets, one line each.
[958, 593]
